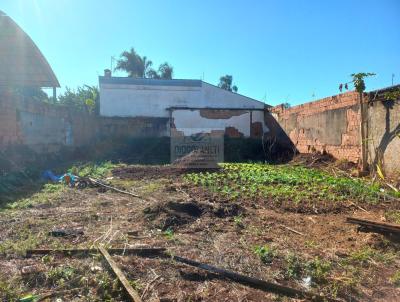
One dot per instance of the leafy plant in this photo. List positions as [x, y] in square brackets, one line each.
[169, 233]
[282, 183]
[358, 80]
[293, 267]
[238, 220]
[318, 269]
[266, 253]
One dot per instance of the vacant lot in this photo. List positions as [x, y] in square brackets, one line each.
[280, 223]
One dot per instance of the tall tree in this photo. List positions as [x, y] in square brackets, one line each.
[135, 65]
[225, 82]
[165, 71]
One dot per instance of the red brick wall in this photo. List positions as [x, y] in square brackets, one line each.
[330, 124]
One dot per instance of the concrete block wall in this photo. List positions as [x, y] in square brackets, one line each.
[327, 125]
[43, 127]
[8, 121]
[383, 120]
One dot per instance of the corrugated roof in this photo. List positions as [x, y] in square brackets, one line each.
[151, 82]
[21, 62]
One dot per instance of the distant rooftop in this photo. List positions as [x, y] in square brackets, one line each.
[21, 62]
[155, 82]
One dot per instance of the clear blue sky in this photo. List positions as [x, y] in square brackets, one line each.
[284, 50]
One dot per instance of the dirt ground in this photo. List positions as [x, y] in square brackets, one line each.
[193, 223]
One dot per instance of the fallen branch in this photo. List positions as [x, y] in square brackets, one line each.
[71, 252]
[120, 275]
[149, 285]
[253, 282]
[292, 230]
[357, 206]
[58, 293]
[375, 227]
[112, 188]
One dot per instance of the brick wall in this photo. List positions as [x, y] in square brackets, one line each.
[328, 125]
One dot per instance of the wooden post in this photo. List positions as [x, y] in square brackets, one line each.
[54, 95]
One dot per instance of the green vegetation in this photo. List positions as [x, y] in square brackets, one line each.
[57, 276]
[169, 234]
[95, 170]
[137, 66]
[395, 279]
[226, 82]
[368, 255]
[47, 195]
[238, 220]
[294, 267]
[282, 183]
[265, 252]
[318, 269]
[393, 216]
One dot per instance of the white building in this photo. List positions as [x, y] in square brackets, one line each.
[184, 105]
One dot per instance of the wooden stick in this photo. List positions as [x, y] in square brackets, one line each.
[71, 252]
[292, 230]
[113, 188]
[148, 286]
[362, 209]
[117, 271]
[253, 282]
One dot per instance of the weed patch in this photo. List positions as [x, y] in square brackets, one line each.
[266, 253]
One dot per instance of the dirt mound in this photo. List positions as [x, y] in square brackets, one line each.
[315, 159]
[196, 160]
[171, 215]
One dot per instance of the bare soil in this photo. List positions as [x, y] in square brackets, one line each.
[193, 223]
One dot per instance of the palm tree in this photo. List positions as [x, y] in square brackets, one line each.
[225, 82]
[135, 65]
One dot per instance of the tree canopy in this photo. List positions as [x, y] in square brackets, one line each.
[225, 82]
[141, 67]
[85, 98]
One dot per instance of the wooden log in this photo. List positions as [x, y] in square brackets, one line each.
[254, 282]
[376, 227]
[120, 275]
[72, 252]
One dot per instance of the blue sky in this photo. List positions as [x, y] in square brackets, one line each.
[278, 51]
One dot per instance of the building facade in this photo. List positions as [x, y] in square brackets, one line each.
[187, 106]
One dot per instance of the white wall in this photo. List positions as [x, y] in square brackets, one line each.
[127, 100]
[191, 122]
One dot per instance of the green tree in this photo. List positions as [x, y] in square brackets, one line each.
[358, 80]
[84, 98]
[165, 71]
[141, 67]
[225, 82]
[135, 65]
